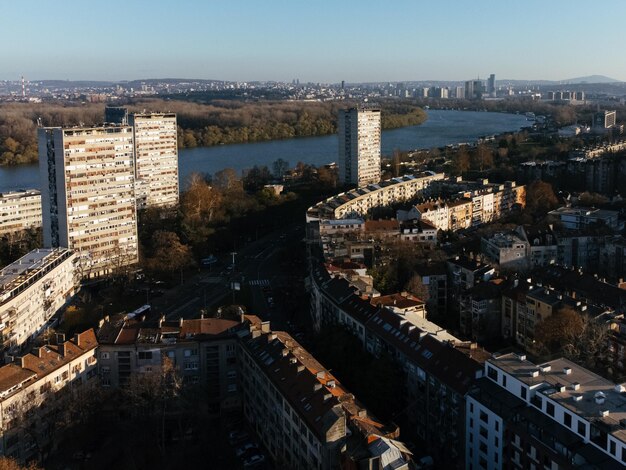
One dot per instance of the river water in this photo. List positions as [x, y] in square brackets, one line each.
[442, 128]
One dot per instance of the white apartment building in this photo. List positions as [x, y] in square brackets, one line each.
[20, 210]
[359, 146]
[88, 195]
[552, 415]
[358, 202]
[156, 158]
[32, 290]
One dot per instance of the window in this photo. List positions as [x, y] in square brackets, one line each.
[232, 388]
[524, 393]
[483, 417]
[582, 428]
[550, 408]
[503, 380]
[612, 448]
[104, 355]
[492, 373]
[567, 419]
[190, 352]
[143, 355]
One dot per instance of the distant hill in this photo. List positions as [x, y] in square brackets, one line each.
[592, 79]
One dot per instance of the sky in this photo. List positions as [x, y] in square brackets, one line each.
[315, 40]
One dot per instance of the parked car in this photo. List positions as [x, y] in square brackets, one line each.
[254, 460]
[237, 436]
[243, 448]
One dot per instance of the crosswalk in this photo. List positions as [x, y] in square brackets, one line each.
[260, 282]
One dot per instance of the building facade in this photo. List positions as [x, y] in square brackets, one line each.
[30, 393]
[88, 195]
[359, 132]
[156, 158]
[34, 288]
[551, 415]
[20, 210]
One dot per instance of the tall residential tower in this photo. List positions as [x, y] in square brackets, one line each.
[156, 159]
[88, 195]
[359, 146]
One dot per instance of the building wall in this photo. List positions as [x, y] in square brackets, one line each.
[28, 302]
[359, 146]
[41, 396]
[20, 210]
[90, 195]
[156, 157]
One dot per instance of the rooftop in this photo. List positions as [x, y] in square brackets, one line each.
[581, 391]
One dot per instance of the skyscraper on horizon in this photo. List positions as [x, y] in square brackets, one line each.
[156, 159]
[491, 85]
[88, 195]
[359, 145]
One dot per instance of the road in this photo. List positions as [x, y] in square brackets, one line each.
[258, 272]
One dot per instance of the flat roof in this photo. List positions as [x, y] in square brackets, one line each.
[580, 390]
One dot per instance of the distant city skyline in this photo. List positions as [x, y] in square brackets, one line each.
[327, 42]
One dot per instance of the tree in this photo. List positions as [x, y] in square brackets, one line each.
[200, 206]
[256, 178]
[280, 167]
[168, 253]
[7, 463]
[416, 287]
[540, 198]
[554, 332]
[460, 162]
[227, 180]
[149, 395]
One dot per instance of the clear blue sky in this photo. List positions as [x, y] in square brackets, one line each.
[319, 40]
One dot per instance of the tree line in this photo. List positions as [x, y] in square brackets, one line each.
[199, 124]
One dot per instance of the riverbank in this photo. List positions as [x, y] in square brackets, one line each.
[442, 128]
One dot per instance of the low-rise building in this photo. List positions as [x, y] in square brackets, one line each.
[580, 217]
[419, 231]
[30, 393]
[202, 350]
[480, 310]
[508, 250]
[20, 210]
[32, 290]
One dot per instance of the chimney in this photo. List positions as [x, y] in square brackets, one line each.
[567, 370]
[161, 320]
[180, 322]
[265, 327]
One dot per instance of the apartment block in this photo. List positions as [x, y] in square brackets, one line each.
[202, 350]
[507, 250]
[359, 132]
[30, 392]
[19, 210]
[88, 195]
[33, 289]
[551, 415]
[304, 416]
[480, 310]
[579, 218]
[358, 202]
[156, 158]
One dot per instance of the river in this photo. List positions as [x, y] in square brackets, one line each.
[442, 128]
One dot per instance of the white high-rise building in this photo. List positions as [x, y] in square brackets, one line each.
[359, 146]
[88, 195]
[156, 159]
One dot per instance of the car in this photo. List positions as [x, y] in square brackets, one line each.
[237, 436]
[254, 460]
[243, 448]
